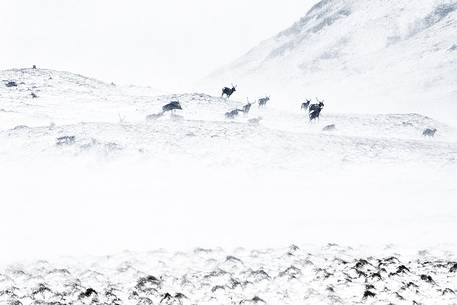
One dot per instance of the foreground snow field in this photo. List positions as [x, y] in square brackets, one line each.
[83, 171]
[295, 275]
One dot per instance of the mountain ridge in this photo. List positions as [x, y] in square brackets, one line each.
[399, 54]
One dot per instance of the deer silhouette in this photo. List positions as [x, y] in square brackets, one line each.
[429, 132]
[305, 105]
[315, 110]
[172, 106]
[228, 91]
[263, 101]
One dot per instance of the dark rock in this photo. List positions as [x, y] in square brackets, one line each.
[368, 294]
[89, 292]
[331, 127]
[427, 278]
[292, 272]
[448, 291]
[217, 287]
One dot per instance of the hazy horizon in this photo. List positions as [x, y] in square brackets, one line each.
[163, 44]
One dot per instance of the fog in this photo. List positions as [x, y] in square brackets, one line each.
[75, 209]
[164, 44]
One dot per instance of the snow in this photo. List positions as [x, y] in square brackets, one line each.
[101, 190]
[305, 274]
[115, 177]
[84, 172]
[377, 57]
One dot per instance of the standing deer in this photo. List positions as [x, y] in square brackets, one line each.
[305, 105]
[228, 91]
[247, 107]
[319, 105]
[263, 101]
[315, 110]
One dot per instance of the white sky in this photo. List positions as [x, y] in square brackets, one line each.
[162, 43]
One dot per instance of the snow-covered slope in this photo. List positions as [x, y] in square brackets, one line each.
[101, 115]
[84, 170]
[62, 97]
[362, 56]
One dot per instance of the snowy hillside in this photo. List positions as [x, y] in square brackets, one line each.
[361, 56]
[90, 168]
[95, 114]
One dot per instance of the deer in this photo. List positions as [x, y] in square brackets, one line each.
[314, 115]
[305, 105]
[429, 132]
[315, 110]
[318, 105]
[247, 107]
[233, 114]
[172, 106]
[263, 101]
[228, 91]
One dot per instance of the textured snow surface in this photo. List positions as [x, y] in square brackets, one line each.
[104, 119]
[294, 275]
[380, 55]
[86, 170]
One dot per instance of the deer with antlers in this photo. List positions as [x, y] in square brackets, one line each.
[263, 101]
[228, 91]
[247, 107]
[315, 110]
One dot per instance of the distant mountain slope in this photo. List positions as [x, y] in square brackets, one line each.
[379, 55]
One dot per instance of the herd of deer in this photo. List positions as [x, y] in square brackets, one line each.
[314, 110]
